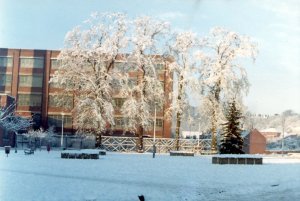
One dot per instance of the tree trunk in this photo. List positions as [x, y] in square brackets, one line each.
[140, 142]
[98, 140]
[178, 122]
[213, 133]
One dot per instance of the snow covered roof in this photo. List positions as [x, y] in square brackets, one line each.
[270, 130]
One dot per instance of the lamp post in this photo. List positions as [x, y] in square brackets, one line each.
[154, 134]
[62, 130]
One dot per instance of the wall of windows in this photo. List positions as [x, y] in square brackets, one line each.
[64, 101]
[32, 62]
[5, 80]
[30, 80]
[56, 120]
[34, 100]
[6, 61]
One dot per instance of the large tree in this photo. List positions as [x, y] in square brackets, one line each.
[98, 62]
[86, 64]
[146, 49]
[185, 72]
[231, 141]
[223, 75]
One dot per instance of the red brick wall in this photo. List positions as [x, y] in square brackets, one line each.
[257, 143]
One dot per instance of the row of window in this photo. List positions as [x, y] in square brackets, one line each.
[129, 65]
[120, 122]
[58, 120]
[35, 100]
[64, 101]
[36, 62]
[24, 80]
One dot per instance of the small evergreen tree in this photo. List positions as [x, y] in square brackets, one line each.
[231, 140]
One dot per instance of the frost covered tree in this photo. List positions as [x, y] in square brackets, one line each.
[184, 69]
[86, 64]
[231, 141]
[40, 134]
[145, 55]
[223, 75]
[12, 122]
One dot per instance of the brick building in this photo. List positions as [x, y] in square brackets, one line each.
[25, 75]
[254, 142]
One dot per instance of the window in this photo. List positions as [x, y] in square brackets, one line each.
[55, 64]
[159, 66]
[6, 61]
[119, 122]
[118, 102]
[5, 80]
[29, 100]
[159, 123]
[32, 62]
[132, 82]
[119, 65]
[56, 120]
[31, 80]
[124, 66]
[64, 101]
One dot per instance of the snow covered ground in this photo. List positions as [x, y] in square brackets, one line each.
[118, 177]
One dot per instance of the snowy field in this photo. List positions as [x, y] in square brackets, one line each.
[118, 177]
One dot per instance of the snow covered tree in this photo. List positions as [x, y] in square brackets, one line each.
[184, 70]
[86, 64]
[40, 134]
[223, 77]
[231, 141]
[12, 122]
[145, 48]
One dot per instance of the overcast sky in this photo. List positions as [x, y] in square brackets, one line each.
[273, 24]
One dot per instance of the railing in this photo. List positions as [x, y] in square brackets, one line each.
[117, 144]
[163, 145]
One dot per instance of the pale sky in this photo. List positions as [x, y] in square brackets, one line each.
[273, 24]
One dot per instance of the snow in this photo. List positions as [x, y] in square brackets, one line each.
[116, 176]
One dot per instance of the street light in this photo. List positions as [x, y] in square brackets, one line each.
[62, 130]
[154, 134]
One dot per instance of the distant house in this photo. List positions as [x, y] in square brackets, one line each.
[270, 134]
[254, 142]
[191, 134]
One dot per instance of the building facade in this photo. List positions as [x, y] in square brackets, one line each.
[254, 142]
[25, 75]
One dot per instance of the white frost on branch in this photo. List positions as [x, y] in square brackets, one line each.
[223, 77]
[147, 49]
[10, 121]
[87, 60]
